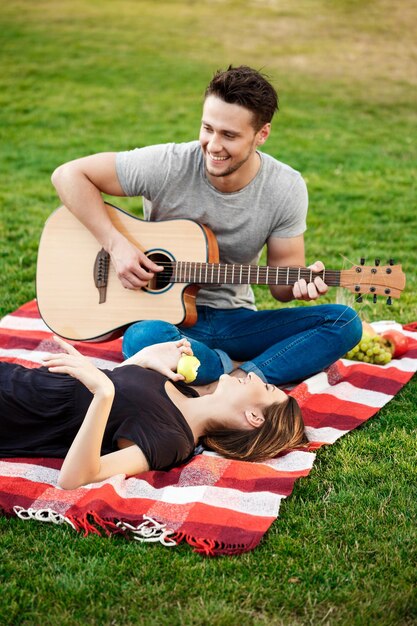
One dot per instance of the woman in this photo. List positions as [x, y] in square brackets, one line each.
[139, 416]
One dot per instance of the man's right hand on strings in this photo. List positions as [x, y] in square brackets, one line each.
[133, 268]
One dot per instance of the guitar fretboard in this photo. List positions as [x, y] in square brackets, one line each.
[235, 274]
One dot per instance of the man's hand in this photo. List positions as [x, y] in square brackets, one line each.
[132, 266]
[310, 291]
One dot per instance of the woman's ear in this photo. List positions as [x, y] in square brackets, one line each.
[254, 417]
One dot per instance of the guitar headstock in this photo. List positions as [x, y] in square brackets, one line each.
[377, 280]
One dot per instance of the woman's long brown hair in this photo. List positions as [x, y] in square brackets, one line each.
[282, 429]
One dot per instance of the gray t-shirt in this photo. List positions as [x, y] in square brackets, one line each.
[172, 180]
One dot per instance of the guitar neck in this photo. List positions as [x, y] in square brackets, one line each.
[235, 274]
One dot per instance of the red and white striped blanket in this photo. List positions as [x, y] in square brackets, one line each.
[218, 506]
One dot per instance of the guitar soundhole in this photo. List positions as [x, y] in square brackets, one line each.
[161, 280]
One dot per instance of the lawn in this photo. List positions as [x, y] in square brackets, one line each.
[79, 77]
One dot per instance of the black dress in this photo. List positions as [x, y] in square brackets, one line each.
[41, 412]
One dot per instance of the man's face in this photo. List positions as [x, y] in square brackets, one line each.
[228, 138]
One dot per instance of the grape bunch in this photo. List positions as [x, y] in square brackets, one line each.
[371, 349]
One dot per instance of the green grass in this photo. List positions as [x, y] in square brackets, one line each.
[80, 77]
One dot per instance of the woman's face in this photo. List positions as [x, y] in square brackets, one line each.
[248, 391]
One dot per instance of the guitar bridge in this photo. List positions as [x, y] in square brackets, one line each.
[101, 273]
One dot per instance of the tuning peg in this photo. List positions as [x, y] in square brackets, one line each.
[391, 261]
[377, 262]
[374, 299]
[358, 298]
[362, 260]
[389, 301]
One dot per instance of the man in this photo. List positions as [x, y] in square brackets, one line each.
[248, 199]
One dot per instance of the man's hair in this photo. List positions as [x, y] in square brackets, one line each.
[247, 87]
[282, 429]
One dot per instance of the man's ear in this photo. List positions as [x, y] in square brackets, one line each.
[254, 417]
[263, 134]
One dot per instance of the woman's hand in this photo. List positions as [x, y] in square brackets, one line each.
[162, 357]
[80, 367]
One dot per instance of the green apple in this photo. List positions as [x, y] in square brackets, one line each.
[188, 366]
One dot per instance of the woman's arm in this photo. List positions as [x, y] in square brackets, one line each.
[83, 463]
[75, 473]
[161, 357]
[129, 461]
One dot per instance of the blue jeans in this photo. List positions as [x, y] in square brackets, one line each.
[280, 345]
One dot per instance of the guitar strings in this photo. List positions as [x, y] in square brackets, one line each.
[202, 272]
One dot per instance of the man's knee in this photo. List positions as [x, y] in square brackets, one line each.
[347, 320]
[146, 333]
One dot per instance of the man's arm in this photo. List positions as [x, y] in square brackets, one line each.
[284, 252]
[80, 184]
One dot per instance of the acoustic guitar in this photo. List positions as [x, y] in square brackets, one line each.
[81, 298]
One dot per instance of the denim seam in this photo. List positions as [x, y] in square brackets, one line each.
[225, 360]
[250, 366]
[291, 345]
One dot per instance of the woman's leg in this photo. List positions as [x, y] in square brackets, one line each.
[214, 361]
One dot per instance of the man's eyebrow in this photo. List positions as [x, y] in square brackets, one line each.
[222, 130]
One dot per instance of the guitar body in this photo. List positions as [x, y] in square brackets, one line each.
[68, 299]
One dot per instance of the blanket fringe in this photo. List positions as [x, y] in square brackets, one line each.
[42, 515]
[210, 547]
[149, 531]
[92, 523]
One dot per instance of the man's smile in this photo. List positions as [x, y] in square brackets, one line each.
[217, 158]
